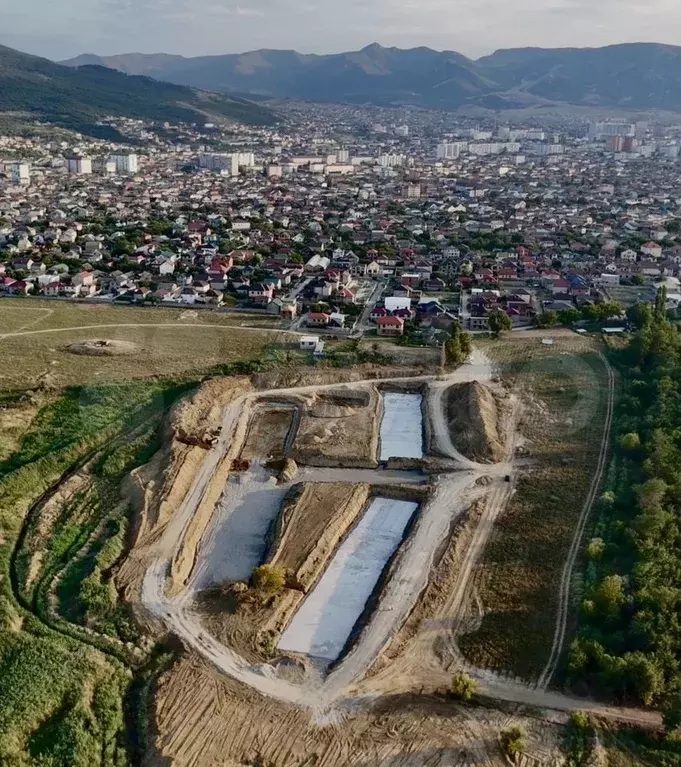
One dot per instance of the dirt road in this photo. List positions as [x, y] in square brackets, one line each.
[566, 578]
[453, 494]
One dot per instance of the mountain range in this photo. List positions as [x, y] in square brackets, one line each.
[78, 97]
[632, 75]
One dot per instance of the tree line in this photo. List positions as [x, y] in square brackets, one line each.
[629, 639]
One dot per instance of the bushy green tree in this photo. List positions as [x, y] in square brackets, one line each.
[463, 686]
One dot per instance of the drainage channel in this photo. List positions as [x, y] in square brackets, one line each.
[322, 625]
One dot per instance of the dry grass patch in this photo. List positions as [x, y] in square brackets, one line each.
[564, 401]
[166, 352]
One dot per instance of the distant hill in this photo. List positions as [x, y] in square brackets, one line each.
[78, 97]
[636, 75]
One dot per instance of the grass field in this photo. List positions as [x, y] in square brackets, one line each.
[160, 351]
[563, 389]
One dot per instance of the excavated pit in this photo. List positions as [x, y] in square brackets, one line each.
[323, 624]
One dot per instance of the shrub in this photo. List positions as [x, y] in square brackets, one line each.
[513, 741]
[463, 686]
[268, 579]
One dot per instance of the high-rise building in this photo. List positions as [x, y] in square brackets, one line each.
[78, 164]
[447, 151]
[599, 130]
[125, 162]
[342, 156]
[21, 173]
[615, 143]
[391, 160]
[411, 191]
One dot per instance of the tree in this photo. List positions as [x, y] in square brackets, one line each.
[569, 317]
[671, 713]
[609, 597]
[458, 346]
[268, 579]
[513, 741]
[640, 315]
[550, 319]
[661, 303]
[499, 321]
[630, 442]
[463, 686]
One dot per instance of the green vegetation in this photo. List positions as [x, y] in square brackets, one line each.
[62, 687]
[458, 346]
[512, 741]
[268, 579]
[498, 322]
[579, 738]
[463, 686]
[629, 640]
[78, 97]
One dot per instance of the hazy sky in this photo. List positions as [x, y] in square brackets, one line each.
[63, 28]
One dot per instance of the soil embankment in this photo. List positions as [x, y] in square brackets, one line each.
[473, 417]
[312, 523]
[158, 489]
[314, 519]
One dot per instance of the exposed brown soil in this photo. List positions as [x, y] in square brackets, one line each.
[103, 348]
[201, 411]
[338, 431]
[267, 434]
[313, 520]
[204, 718]
[473, 416]
[289, 378]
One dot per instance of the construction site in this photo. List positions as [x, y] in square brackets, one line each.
[332, 551]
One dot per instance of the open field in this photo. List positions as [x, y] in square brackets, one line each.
[163, 351]
[19, 314]
[515, 591]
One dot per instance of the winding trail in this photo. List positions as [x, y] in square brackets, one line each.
[157, 325]
[566, 579]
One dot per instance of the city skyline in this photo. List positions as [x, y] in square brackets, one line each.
[214, 27]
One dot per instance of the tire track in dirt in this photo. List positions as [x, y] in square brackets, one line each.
[566, 579]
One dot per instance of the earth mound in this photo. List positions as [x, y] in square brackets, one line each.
[473, 417]
[103, 347]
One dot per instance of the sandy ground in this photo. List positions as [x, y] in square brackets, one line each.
[268, 432]
[338, 702]
[334, 432]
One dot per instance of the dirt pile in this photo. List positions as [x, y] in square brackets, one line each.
[291, 378]
[473, 416]
[103, 348]
[201, 412]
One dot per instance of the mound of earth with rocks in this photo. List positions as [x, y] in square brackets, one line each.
[473, 416]
[102, 347]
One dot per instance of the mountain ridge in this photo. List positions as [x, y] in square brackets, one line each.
[628, 75]
[79, 97]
